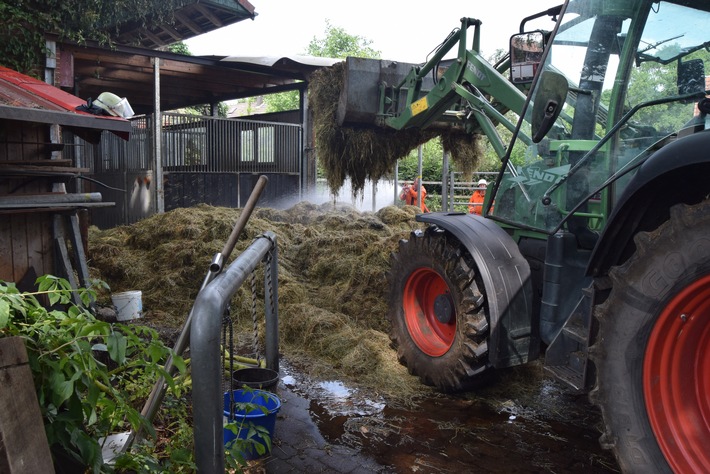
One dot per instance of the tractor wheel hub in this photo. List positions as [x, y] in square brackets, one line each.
[443, 308]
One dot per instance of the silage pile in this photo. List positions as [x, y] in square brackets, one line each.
[332, 288]
[365, 153]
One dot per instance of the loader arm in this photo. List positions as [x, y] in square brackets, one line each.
[469, 96]
[486, 93]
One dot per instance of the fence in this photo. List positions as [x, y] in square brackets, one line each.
[459, 192]
[209, 160]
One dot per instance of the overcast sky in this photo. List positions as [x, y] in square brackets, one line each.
[402, 30]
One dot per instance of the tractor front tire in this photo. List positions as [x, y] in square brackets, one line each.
[437, 311]
[652, 351]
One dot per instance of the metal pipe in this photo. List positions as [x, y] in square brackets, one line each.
[445, 184]
[419, 174]
[271, 312]
[207, 401]
[396, 182]
[49, 198]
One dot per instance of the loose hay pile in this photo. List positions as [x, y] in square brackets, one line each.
[362, 153]
[332, 283]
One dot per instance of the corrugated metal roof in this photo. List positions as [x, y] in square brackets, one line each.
[295, 61]
[25, 98]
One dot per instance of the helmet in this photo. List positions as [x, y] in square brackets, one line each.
[114, 105]
[482, 181]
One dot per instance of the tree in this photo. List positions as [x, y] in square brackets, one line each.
[336, 43]
[339, 44]
[23, 24]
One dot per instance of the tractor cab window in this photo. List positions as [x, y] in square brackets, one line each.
[616, 80]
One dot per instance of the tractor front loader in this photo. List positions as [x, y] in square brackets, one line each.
[597, 250]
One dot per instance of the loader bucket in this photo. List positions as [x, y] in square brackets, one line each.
[360, 97]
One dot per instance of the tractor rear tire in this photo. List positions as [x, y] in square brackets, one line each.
[437, 312]
[652, 352]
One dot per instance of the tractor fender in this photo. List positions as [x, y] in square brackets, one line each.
[677, 173]
[514, 336]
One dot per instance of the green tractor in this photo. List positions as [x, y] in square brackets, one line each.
[594, 248]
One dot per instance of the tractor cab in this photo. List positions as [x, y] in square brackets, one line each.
[619, 80]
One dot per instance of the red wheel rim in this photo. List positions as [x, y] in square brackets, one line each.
[432, 336]
[676, 379]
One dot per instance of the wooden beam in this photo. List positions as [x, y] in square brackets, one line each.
[155, 39]
[172, 32]
[189, 23]
[23, 442]
[208, 14]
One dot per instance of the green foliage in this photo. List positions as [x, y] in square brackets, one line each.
[24, 24]
[282, 101]
[180, 48]
[650, 81]
[337, 43]
[21, 40]
[85, 370]
[256, 440]
[432, 164]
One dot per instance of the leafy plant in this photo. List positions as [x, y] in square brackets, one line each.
[83, 368]
[249, 438]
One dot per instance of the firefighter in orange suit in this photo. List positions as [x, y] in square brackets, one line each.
[410, 194]
[475, 204]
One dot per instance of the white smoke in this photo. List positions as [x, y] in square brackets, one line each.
[371, 199]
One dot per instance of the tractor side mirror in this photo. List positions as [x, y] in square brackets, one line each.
[549, 100]
[691, 76]
[525, 56]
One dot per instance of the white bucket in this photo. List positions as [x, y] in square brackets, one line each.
[128, 305]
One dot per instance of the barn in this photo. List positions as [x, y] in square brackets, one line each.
[41, 135]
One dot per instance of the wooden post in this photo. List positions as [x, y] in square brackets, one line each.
[23, 442]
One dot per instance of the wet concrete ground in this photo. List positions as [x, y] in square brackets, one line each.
[523, 423]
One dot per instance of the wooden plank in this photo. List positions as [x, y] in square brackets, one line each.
[79, 254]
[36, 226]
[48, 162]
[23, 442]
[6, 262]
[63, 261]
[15, 168]
[19, 246]
[50, 207]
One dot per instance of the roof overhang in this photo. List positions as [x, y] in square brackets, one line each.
[89, 70]
[24, 98]
[192, 18]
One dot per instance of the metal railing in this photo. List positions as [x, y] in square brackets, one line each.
[210, 304]
[195, 143]
[459, 192]
[216, 145]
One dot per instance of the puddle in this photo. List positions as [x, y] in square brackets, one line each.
[526, 424]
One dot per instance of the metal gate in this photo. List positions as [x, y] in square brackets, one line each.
[208, 160]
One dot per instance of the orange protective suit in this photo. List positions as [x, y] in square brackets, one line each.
[475, 204]
[410, 195]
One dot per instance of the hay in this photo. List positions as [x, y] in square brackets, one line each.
[332, 287]
[466, 150]
[369, 153]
